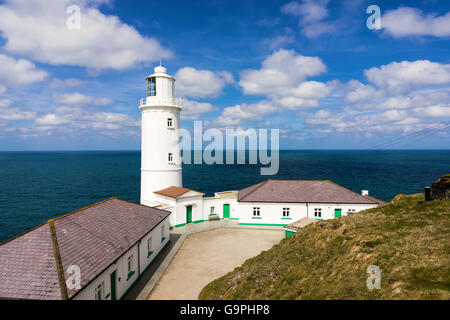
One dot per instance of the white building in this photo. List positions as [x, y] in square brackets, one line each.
[273, 202]
[160, 162]
[106, 246]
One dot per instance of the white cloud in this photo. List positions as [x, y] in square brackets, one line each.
[51, 120]
[398, 76]
[280, 72]
[438, 111]
[79, 99]
[406, 21]
[4, 103]
[19, 71]
[358, 91]
[311, 15]
[15, 114]
[38, 30]
[2, 89]
[201, 83]
[72, 99]
[241, 113]
[66, 83]
[192, 110]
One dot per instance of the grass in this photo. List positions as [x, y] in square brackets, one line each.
[407, 238]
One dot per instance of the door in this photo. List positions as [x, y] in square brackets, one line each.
[188, 214]
[337, 213]
[113, 285]
[226, 211]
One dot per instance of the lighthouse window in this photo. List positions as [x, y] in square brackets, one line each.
[151, 87]
[170, 123]
[170, 157]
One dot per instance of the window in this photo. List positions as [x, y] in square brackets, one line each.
[212, 209]
[170, 157]
[318, 212]
[286, 212]
[130, 263]
[169, 122]
[350, 211]
[130, 267]
[256, 211]
[163, 233]
[149, 247]
[99, 291]
[151, 87]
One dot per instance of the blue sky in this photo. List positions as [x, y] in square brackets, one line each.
[313, 69]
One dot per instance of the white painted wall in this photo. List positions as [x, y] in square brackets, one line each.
[272, 213]
[121, 265]
[218, 203]
[158, 140]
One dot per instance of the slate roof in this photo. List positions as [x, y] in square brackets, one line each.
[33, 265]
[174, 192]
[302, 191]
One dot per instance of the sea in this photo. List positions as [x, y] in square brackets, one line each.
[38, 186]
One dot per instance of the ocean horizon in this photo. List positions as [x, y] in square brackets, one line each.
[39, 185]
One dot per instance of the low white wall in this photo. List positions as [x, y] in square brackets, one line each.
[218, 204]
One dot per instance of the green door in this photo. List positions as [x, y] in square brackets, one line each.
[226, 211]
[337, 213]
[188, 214]
[113, 285]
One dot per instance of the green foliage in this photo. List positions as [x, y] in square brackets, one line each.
[407, 238]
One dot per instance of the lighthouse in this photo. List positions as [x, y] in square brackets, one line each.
[160, 159]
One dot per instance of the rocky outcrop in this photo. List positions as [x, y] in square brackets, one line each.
[441, 188]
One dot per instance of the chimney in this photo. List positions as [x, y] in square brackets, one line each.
[427, 194]
[364, 192]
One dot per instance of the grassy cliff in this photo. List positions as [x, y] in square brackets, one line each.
[409, 240]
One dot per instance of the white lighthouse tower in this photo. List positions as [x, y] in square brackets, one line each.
[161, 159]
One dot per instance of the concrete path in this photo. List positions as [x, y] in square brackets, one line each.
[231, 244]
[208, 255]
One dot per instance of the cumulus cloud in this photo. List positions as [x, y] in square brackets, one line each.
[398, 76]
[38, 31]
[244, 113]
[280, 72]
[79, 99]
[66, 83]
[406, 21]
[311, 15]
[193, 110]
[16, 72]
[438, 111]
[201, 83]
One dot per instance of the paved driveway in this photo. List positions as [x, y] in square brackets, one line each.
[208, 255]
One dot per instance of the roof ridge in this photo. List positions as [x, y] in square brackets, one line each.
[76, 211]
[260, 185]
[58, 262]
[142, 205]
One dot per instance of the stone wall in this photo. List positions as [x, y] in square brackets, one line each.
[440, 190]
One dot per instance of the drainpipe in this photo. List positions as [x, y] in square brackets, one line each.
[139, 259]
[307, 210]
